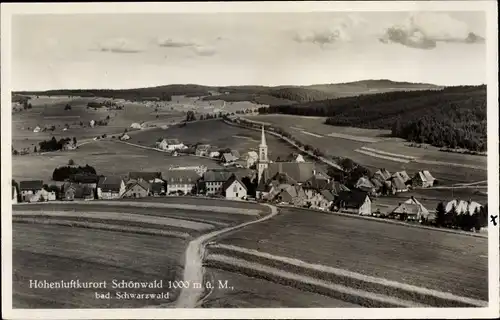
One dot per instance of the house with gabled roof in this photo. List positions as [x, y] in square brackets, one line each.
[110, 187]
[462, 206]
[227, 158]
[202, 150]
[397, 185]
[157, 189]
[322, 200]
[364, 184]
[403, 175]
[71, 191]
[290, 194]
[29, 188]
[181, 181]
[234, 189]
[411, 210]
[423, 179]
[382, 174]
[251, 158]
[354, 201]
[335, 187]
[146, 176]
[138, 189]
[170, 145]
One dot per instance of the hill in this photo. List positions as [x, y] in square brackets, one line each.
[450, 117]
[278, 95]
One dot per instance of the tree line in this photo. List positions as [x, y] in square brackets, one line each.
[451, 117]
[465, 221]
[54, 145]
[64, 173]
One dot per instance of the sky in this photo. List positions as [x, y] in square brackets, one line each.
[83, 51]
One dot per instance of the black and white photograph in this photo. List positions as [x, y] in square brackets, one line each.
[253, 159]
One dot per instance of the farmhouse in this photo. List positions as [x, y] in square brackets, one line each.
[411, 210]
[228, 158]
[181, 181]
[397, 185]
[202, 150]
[403, 175]
[171, 145]
[89, 180]
[423, 179]
[37, 129]
[364, 184]
[322, 200]
[43, 195]
[135, 125]
[29, 188]
[138, 189]
[355, 201]
[234, 189]
[382, 175]
[71, 191]
[214, 179]
[111, 187]
[214, 154]
[462, 207]
[235, 153]
[125, 137]
[290, 194]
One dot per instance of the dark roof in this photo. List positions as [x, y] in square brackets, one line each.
[110, 183]
[317, 182]
[148, 176]
[157, 187]
[216, 175]
[31, 185]
[328, 195]
[383, 173]
[398, 183]
[229, 181]
[228, 157]
[84, 178]
[336, 187]
[83, 191]
[353, 198]
[299, 171]
[235, 153]
[181, 176]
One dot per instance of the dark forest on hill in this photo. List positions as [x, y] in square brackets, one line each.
[454, 117]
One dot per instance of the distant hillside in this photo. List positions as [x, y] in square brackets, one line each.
[279, 95]
[451, 117]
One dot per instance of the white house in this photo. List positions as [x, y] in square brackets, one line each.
[201, 169]
[28, 189]
[14, 194]
[213, 181]
[37, 129]
[110, 187]
[214, 154]
[43, 195]
[234, 189]
[92, 123]
[171, 145]
[181, 181]
[463, 207]
[135, 125]
[125, 137]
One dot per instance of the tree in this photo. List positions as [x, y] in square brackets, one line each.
[71, 162]
[35, 150]
[440, 215]
[190, 116]
[74, 141]
[15, 152]
[107, 117]
[67, 107]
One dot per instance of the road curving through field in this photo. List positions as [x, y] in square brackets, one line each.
[193, 266]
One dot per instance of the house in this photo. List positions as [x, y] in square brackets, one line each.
[290, 194]
[411, 210]
[335, 187]
[37, 129]
[71, 191]
[91, 123]
[251, 158]
[314, 185]
[181, 181]
[146, 176]
[14, 194]
[214, 154]
[382, 175]
[125, 137]
[397, 185]
[43, 195]
[235, 154]
[29, 188]
[135, 125]
[364, 184]
[377, 184]
[157, 189]
[89, 180]
[202, 150]
[171, 145]
[299, 171]
[322, 200]
[139, 189]
[423, 179]
[111, 187]
[234, 189]
[403, 175]
[213, 181]
[355, 201]
[228, 158]
[462, 206]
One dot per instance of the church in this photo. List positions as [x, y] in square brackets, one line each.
[292, 173]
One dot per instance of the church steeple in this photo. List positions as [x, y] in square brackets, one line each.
[263, 159]
[263, 139]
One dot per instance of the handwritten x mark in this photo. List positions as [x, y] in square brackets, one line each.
[494, 219]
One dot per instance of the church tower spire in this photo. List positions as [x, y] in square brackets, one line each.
[263, 159]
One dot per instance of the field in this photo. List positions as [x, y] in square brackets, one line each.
[258, 293]
[426, 258]
[105, 156]
[218, 134]
[52, 242]
[374, 149]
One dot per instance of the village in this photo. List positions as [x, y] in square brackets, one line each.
[254, 177]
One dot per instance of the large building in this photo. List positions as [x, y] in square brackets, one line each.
[263, 162]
